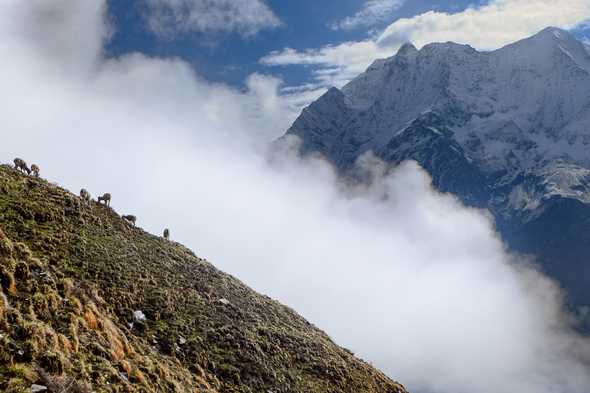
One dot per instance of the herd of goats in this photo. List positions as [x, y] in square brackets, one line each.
[105, 199]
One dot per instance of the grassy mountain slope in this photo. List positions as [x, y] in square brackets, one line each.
[75, 281]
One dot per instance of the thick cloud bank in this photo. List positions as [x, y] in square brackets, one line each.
[407, 278]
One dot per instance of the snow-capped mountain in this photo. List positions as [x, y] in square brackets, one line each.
[508, 130]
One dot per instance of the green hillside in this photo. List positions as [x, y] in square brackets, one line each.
[91, 303]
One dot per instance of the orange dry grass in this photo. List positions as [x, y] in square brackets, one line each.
[90, 319]
[117, 341]
[117, 350]
[139, 376]
[163, 372]
[126, 367]
[11, 289]
[65, 343]
[3, 305]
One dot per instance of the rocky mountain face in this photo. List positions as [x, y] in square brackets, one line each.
[89, 302]
[507, 130]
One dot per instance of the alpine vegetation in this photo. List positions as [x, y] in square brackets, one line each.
[86, 305]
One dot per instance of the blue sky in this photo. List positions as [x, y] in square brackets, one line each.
[318, 31]
[228, 57]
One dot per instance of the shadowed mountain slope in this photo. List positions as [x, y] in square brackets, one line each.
[507, 130]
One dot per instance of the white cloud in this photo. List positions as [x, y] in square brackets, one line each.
[334, 65]
[245, 17]
[487, 26]
[373, 12]
[415, 283]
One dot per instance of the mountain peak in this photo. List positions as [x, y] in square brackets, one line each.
[407, 48]
[553, 32]
[543, 47]
[448, 48]
[447, 45]
[555, 35]
[551, 37]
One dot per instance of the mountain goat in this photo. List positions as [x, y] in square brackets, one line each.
[106, 198]
[21, 165]
[85, 195]
[130, 219]
[35, 169]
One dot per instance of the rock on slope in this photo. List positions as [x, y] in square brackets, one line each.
[88, 302]
[507, 130]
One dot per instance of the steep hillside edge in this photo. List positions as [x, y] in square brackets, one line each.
[90, 303]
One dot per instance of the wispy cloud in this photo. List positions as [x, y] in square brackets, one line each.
[490, 26]
[373, 12]
[336, 63]
[245, 17]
